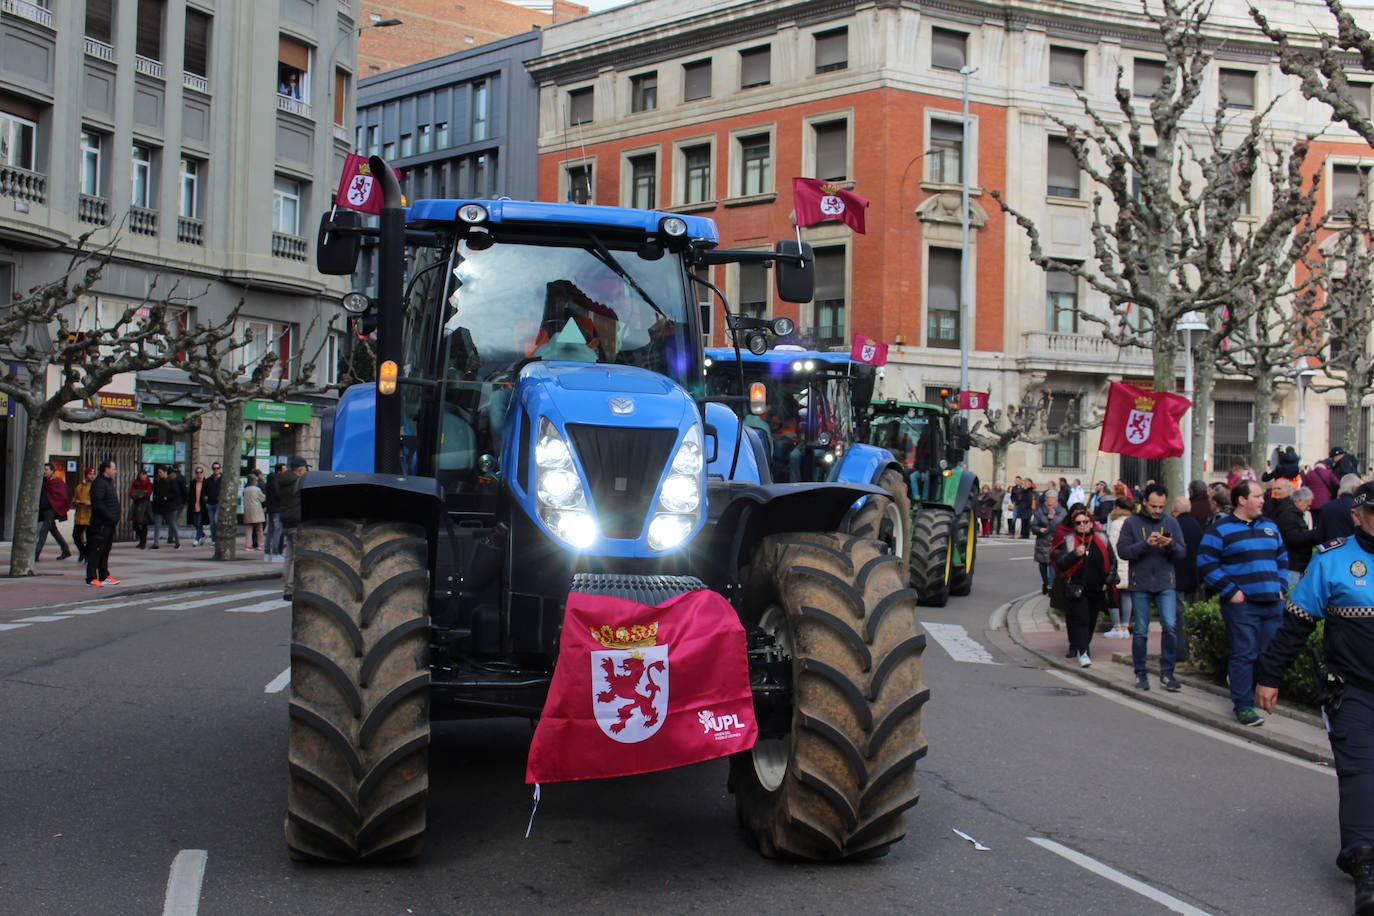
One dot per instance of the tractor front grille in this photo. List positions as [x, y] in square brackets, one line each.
[623, 466]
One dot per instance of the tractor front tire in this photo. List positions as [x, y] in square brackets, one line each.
[358, 740]
[932, 555]
[838, 785]
[961, 575]
[886, 520]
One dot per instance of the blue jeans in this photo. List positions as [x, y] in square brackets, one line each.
[1249, 627]
[1166, 604]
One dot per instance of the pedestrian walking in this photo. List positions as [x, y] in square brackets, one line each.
[53, 503]
[141, 507]
[1334, 521]
[81, 501]
[104, 517]
[999, 502]
[1009, 512]
[1025, 507]
[1152, 542]
[1243, 561]
[197, 509]
[214, 486]
[289, 495]
[167, 504]
[1296, 528]
[1337, 589]
[1043, 524]
[987, 508]
[254, 514]
[1085, 567]
[271, 488]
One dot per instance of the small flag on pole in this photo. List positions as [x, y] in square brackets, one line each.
[867, 350]
[359, 189]
[973, 400]
[1143, 423]
[816, 201]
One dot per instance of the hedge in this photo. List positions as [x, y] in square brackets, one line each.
[1210, 649]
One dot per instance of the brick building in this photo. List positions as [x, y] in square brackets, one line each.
[712, 107]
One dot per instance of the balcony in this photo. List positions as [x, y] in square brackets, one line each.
[346, 8]
[190, 231]
[340, 133]
[147, 66]
[94, 210]
[198, 83]
[290, 247]
[98, 49]
[23, 184]
[295, 106]
[30, 11]
[142, 221]
[1088, 351]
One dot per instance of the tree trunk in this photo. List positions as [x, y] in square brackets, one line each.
[26, 506]
[999, 465]
[227, 529]
[1164, 346]
[1354, 403]
[1264, 407]
[1204, 376]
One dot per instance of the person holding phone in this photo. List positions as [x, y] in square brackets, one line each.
[1151, 542]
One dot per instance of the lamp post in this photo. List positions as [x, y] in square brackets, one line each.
[377, 23]
[1301, 373]
[965, 293]
[1187, 325]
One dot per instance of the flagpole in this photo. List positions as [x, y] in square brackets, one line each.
[964, 271]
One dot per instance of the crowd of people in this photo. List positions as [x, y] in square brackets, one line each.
[161, 502]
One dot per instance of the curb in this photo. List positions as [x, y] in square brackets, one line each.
[1258, 736]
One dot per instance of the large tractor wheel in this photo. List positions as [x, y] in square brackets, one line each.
[886, 520]
[961, 572]
[932, 559]
[838, 784]
[358, 742]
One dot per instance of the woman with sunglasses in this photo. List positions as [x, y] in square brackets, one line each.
[1086, 571]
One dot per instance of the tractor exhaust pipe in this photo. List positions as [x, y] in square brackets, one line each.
[390, 289]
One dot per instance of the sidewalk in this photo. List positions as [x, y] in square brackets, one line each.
[139, 571]
[1289, 730]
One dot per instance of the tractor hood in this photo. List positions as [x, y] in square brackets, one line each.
[604, 395]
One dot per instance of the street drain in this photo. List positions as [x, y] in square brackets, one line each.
[1051, 691]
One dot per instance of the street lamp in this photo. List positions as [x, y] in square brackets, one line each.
[965, 275]
[377, 23]
[1301, 373]
[1190, 323]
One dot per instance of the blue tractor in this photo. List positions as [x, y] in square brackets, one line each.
[540, 424]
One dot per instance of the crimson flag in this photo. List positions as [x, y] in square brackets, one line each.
[640, 688]
[867, 350]
[359, 189]
[973, 400]
[1143, 423]
[816, 201]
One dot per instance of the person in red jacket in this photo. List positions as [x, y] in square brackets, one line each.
[53, 503]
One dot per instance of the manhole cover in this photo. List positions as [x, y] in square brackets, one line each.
[1051, 691]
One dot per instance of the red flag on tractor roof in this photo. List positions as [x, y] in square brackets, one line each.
[1143, 423]
[359, 189]
[816, 201]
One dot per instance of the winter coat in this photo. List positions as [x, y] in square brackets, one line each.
[1043, 525]
[1345, 464]
[141, 502]
[1334, 519]
[1008, 507]
[253, 500]
[1185, 570]
[1286, 467]
[987, 505]
[82, 500]
[289, 496]
[1069, 566]
[1299, 536]
[53, 498]
[167, 497]
[214, 485]
[104, 503]
[1151, 566]
[1114, 526]
[272, 488]
[1323, 483]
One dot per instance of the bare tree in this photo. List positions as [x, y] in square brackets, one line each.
[1349, 309]
[1028, 420]
[48, 328]
[1166, 230]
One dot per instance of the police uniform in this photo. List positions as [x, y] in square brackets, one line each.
[1339, 588]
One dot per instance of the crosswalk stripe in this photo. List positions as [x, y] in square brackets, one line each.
[42, 618]
[961, 647]
[259, 608]
[12, 626]
[216, 599]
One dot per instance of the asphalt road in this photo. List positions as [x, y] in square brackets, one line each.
[134, 733]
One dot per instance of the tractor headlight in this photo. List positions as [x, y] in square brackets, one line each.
[667, 531]
[680, 493]
[557, 486]
[680, 497]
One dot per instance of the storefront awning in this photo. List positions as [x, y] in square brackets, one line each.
[104, 425]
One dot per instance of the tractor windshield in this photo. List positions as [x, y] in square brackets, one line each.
[913, 437]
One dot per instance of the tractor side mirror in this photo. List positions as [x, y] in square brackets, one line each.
[961, 439]
[338, 243]
[795, 282]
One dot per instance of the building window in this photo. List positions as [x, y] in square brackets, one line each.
[580, 184]
[1359, 94]
[426, 138]
[942, 299]
[1061, 302]
[196, 58]
[342, 103]
[832, 50]
[141, 174]
[832, 149]
[17, 139]
[374, 142]
[1064, 451]
[696, 80]
[644, 181]
[333, 353]
[1346, 181]
[644, 91]
[828, 306]
[580, 106]
[148, 42]
[189, 182]
[755, 153]
[100, 20]
[1148, 78]
[407, 145]
[1238, 88]
[1230, 432]
[481, 105]
[705, 303]
[696, 171]
[92, 169]
[755, 67]
[753, 290]
[946, 156]
[1066, 67]
[1137, 180]
[1335, 425]
[286, 206]
[293, 69]
[388, 151]
[1062, 177]
[948, 49]
[441, 135]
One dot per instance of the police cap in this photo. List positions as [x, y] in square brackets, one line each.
[1365, 494]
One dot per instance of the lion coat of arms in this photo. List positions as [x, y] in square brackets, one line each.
[629, 683]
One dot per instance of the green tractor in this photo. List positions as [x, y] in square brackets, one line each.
[930, 443]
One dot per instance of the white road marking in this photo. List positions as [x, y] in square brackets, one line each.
[96, 609]
[42, 618]
[1189, 724]
[261, 607]
[1111, 874]
[217, 599]
[12, 626]
[184, 882]
[278, 683]
[961, 647]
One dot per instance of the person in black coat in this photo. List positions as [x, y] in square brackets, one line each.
[1185, 570]
[1333, 521]
[214, 486]
[1343, 463]
[168, 499]
[104, 517]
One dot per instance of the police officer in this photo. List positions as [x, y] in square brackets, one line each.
[1339, 587]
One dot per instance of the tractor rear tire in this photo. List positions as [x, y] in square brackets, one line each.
[838, 785]
[961, 574]
[358, 741]
[886, 520]
[932, 556]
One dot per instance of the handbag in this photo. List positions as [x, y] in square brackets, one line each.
[1073, 590]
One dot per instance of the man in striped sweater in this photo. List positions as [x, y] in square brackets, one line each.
[1243, 561]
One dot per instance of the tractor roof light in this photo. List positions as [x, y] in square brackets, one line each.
[784, 326]
[355, 303]
[472, 214]
[758, 399]
[673, 227]
[386, 377]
